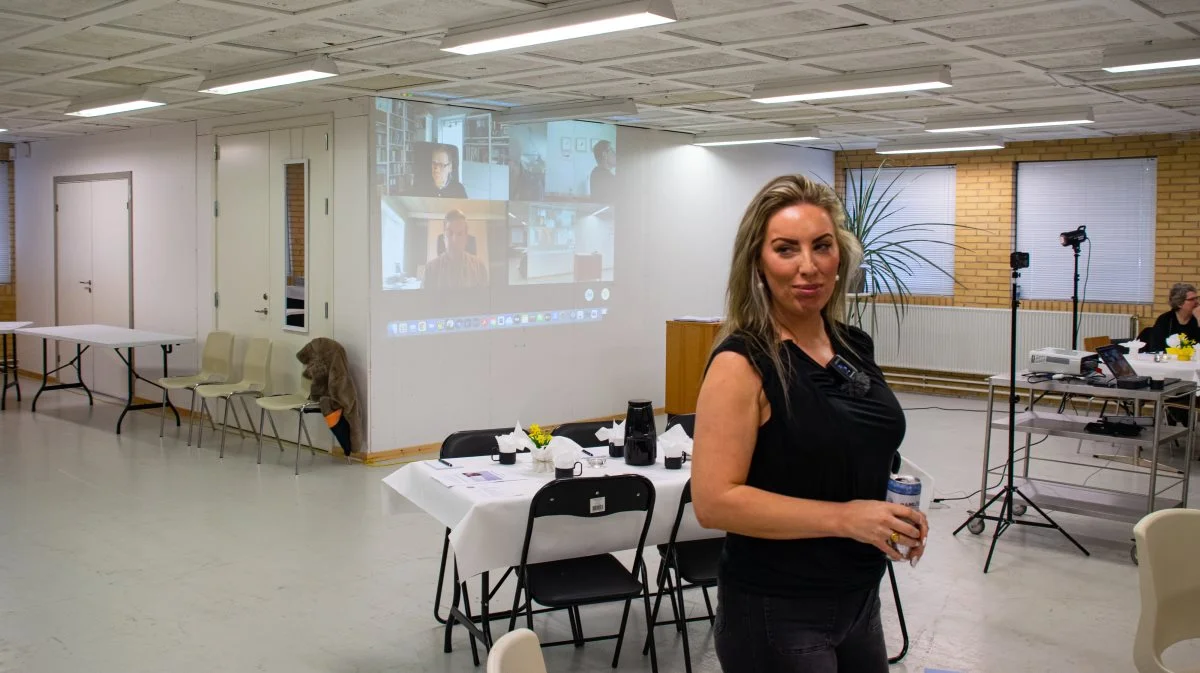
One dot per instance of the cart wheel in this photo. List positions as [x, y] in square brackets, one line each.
[975, 526]
[1019, 509]
[1133, 553]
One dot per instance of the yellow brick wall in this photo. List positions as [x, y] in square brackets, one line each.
[985, 200]
[8, 291]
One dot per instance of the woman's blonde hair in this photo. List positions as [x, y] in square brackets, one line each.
[748, 311]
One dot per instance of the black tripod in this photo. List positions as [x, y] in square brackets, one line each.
[1010, 491]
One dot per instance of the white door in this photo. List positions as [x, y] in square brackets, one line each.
[93, 270]
[252, 263]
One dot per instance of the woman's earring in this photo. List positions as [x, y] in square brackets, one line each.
[837, 277]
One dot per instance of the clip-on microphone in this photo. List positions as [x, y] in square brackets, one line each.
[855, 382]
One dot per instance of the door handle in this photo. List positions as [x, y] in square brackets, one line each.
[261, 310]
[85, 282]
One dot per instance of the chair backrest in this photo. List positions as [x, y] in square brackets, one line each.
[256, 368]
[305, 385]
[688, 421]
[1168, 546]
[216, 362]
[1092, 343]
[591, 498]
[518, 651]
[468, 443]
[583, 434]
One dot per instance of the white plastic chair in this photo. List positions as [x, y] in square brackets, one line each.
[1168, 546]
[216, 365]
[255, 375]
[297, 402]
[518, 651]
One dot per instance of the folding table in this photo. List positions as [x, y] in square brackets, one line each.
[104, 336]
[9, 363]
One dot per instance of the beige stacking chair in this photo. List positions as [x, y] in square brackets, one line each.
[297, 402]
[1168, 545]
[255, 375]
[518, 651]
[216, 365]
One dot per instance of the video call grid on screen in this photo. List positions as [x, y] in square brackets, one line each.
[468, 203]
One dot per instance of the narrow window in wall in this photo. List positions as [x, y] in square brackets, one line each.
[1115, 200]
[6, 222]
[923, 195]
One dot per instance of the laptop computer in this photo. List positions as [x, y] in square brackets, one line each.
[1123, 372]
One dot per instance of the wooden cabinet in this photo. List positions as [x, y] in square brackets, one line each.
[688, 348]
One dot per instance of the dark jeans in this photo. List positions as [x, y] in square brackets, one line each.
[770, 634]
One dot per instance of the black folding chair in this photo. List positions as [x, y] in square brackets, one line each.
[575, 582]
[465, 444]
[694, 563]
[688, 421]
[583, 434]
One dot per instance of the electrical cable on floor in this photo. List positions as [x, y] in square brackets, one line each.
[997, 485]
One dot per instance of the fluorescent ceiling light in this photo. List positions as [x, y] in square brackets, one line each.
[854, 84]
[789, 135]
[1059, 117]
[1154, 57]
[109, 103]
[596, 109]
[3, 130]
[960, 145]
[553, 25]
[289, 72]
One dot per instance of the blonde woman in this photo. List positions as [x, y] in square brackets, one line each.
[793, 448]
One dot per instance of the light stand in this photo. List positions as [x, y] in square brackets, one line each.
[1018, 261]
[1075, 239]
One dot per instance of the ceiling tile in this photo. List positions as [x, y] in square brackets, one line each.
[395, 53]
[1133, 85]
[470, 67]
[127, 75]
[1006, 81]
[606, 47]
[65, 87]
[11, 27]
[972, 68]
[1171, 6]
[686, 97]
[184, 20]
[237, 105]
[924, 9]
[765, 73]
[178, 114]
[59, 9]
[1075, 59]
[911, 59]
[630, 90]
[465, 91]
[212, 58]
[689, 9]
[824, 46]
[793, 23]
[570, 78]
[413, 16]
[688, 63]
[303, 37]
[99, 45]
[1036, 45]
[1022, 23]
[286, 5]
[34, 63]
[24, 100]
[1062, 98]
[388, 81]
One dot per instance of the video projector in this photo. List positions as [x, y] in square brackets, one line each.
[1063, 361]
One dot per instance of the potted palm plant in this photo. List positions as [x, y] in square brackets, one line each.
[888, 253]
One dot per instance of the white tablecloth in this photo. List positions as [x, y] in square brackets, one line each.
[1144, 365]
[487, 521]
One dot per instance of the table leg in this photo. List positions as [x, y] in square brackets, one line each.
[4, 366]
[132, 377]
[75, 364]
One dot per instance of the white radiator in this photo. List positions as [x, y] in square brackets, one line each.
[975, 340]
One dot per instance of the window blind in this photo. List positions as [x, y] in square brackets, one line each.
[923, 195]
[6, 222]
[1115, 200]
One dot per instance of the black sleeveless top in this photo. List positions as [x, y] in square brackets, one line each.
[828, 445]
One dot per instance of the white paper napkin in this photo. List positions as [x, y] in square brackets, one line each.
[515, 441]
[674, 442]
[565, 452]
[1135, 346]
[614, 435]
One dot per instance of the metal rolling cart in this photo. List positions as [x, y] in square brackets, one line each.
[1075, 498]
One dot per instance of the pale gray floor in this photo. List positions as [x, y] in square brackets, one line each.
[124, 554]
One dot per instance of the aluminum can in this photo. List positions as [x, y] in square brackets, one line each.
[904, 490]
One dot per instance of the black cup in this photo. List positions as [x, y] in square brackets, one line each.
[674, 463]
[616, 450]
[505, 458]
[568, 472]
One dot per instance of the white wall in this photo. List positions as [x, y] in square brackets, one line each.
[173, 192]
[162, 160]
[675, 224]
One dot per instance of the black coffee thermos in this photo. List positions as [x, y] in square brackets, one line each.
[641, 437]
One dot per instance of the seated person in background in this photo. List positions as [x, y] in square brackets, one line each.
[443, 169]
[456, 268]
[1181, 319]
[603, 183]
